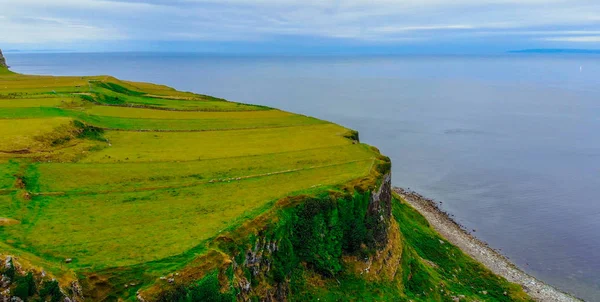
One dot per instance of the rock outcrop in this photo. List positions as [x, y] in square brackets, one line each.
[26, 283]
[2, 60]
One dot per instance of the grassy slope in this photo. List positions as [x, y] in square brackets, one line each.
[144, 186]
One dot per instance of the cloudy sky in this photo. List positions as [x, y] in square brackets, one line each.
[338, 26]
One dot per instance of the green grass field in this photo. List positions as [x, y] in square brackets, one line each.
[114, 174]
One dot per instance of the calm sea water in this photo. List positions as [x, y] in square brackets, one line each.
[510, 144]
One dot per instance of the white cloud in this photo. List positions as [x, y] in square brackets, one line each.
[402, 29]
[576, 39]
[537, 32]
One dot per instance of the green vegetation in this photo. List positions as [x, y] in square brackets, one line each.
[127, 188]
[431, 269]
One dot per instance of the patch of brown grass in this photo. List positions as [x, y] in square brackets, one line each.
[8, 222]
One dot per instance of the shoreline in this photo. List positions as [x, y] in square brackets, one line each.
[480, 250]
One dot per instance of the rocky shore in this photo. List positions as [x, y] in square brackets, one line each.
[481, 251]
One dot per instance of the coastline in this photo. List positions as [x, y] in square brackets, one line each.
[480, 250]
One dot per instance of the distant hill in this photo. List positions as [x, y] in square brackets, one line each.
[557, 51]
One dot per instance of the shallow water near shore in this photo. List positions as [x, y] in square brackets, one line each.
[510, 144]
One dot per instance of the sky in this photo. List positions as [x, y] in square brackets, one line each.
[299, 26]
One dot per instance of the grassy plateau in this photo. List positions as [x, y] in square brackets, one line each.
[116, 190]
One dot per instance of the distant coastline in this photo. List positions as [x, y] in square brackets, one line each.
[480, 250]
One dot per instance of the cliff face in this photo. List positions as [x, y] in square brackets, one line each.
[2, 60]
[317, 240]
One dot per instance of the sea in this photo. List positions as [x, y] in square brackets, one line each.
[510, 144]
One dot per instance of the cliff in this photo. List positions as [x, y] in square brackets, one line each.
[2, 60]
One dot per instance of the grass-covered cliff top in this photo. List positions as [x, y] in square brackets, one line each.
[111, 173]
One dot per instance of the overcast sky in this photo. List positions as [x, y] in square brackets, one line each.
[453, 26]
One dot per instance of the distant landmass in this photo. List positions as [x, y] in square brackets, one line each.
[557, 51]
